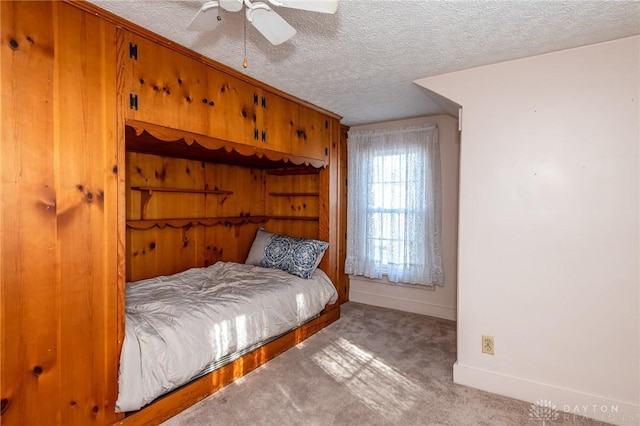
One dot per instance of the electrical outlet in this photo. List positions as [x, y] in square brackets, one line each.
[487, 345]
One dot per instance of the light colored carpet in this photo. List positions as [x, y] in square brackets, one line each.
[373, 366]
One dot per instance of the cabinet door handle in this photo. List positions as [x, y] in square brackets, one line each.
[255, 134]
[255, 99]
[264, 136]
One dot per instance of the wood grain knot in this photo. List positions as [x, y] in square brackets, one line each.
[95, 409]
[4, 404]
[37, 370]
[13, 43]
[205, 100]
[142, 81]
[211, 103]
[152, 245]
[179, 81]
[188, 99]
[72, 403]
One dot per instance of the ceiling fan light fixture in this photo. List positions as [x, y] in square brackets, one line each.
[271, 25]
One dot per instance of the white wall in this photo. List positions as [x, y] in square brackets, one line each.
[549, 227]
[439, 301]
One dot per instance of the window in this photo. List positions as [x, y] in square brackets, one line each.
[394, 205]
[387, 212]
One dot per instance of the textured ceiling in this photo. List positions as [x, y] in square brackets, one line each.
[362, 61]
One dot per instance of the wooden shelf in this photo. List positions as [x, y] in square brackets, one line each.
[150, 190]
[309, 218]
[145, 224]
[147, 192]
[294, 194]
[292, 171]
[187, 222]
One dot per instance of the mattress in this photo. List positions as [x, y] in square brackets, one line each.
[177, 325]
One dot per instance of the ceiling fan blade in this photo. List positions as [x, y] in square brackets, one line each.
[231, 5]
[206, 19]
[322, 6]
[272, 26]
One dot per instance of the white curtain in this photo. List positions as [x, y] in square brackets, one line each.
[394, 205]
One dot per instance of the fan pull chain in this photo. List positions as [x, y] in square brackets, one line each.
[245, 63]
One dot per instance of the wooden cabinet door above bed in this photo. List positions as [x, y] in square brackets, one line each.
[165, 87]
[313, 136]
[162, 86]
[286, 126]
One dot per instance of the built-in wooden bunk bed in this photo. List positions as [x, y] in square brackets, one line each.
[195, 201]
[145, 160]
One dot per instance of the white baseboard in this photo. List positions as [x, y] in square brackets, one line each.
[402, 304]
[568, 402]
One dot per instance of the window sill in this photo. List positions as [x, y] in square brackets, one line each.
[385, 281]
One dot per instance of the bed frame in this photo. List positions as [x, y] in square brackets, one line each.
[171, 404]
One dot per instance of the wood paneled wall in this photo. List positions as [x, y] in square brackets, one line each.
[160, 242]
[58, 220]
[341, 208]
[292, 204]
[186, 213]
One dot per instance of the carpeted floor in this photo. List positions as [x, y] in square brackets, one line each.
[374, 366]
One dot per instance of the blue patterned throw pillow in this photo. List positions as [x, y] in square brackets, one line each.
[297, 256]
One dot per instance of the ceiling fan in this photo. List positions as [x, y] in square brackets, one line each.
[259, 14]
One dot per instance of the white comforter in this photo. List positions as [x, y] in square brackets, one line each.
[177, 325]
